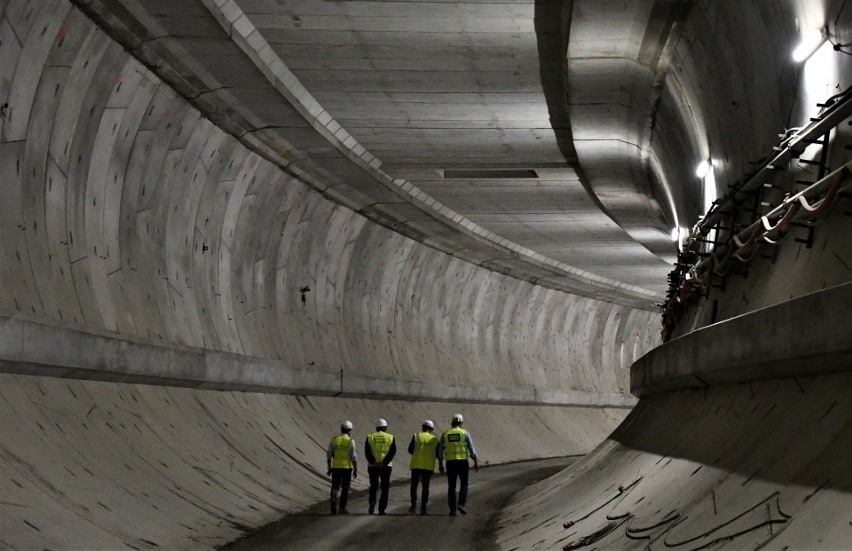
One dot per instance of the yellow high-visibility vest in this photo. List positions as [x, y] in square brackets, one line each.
[340, 446]
[425, 444]
[455, 446]
[380, 443]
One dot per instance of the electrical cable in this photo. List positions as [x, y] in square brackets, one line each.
[635, 533]
[835, 99]
[621, 493]
[599, 534]
[814, 210]
[838, 47]
[820, 206]
[717, 263]
[784, 518]
[691, 274]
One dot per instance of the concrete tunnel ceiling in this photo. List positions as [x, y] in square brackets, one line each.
[461, 118]
[308, 210]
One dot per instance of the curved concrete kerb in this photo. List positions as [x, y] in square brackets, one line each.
[755, 346]
[80, 355]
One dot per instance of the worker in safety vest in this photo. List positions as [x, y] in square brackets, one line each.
[424, 454]
[342, 466]
[379, 449]
[455, 447]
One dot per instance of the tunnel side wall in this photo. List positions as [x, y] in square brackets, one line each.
[756, 465]
[741, 438]
[733, 76]
[125, 212]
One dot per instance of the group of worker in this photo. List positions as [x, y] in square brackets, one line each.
[453, 448]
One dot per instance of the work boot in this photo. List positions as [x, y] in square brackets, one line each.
[372, 508]
[423, 510]
[344, 511]
[413, 507]
[333, 508]
[452, 512]
[461, 509]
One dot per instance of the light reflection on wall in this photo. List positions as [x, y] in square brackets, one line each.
[821, 76]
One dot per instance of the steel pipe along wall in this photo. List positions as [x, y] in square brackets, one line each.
[126, 215]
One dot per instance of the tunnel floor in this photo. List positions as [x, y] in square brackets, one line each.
[491, 490]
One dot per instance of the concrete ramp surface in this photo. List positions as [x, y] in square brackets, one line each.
[763, 465]
[94, 465]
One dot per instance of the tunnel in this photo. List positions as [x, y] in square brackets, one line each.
[616, 231]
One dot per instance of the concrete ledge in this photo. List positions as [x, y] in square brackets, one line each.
[356, 386]
[754, 346]
[33, 348]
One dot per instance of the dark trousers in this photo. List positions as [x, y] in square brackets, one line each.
[418, 475]
[377, 475]
[340, 479]
[457, 469]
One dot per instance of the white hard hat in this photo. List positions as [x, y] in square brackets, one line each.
[346, 425]
[428, 423]
[457, 418]
[381, 423]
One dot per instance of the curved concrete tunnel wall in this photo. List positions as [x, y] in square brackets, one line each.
[741, 437]
[128, 217]
[127, 212]
[88, 128]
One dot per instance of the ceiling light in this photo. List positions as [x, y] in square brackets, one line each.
[675, 234]
[809, 45]
[702, 169]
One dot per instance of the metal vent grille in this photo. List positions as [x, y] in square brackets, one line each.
[489, 174]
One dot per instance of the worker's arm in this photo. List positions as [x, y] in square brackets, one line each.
[328, 455]
[471, 450]
[411, 445]
[354, 458]
[368, 452]
[439, 453]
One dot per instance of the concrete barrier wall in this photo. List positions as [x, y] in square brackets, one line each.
[755, 346]
[745, 466]
[741, 438]
[81, 355]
